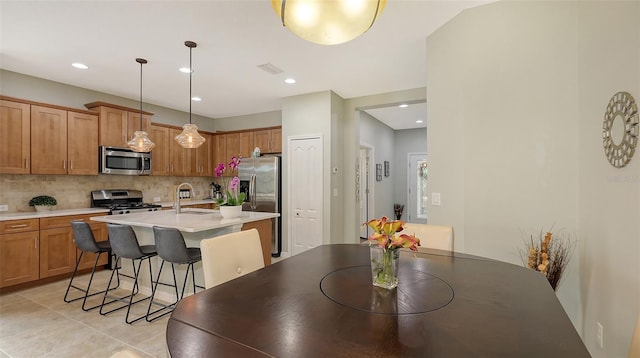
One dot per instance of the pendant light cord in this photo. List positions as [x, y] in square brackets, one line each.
[190, 75]
[141, 95]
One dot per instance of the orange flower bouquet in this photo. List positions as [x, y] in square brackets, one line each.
[384, 255]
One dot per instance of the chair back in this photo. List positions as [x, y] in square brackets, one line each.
[170, 245]
[431, 236]
[230, 256]
[83, 236]
[634, 350]
[124, 242]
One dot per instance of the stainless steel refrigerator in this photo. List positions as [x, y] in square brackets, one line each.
[261, 180]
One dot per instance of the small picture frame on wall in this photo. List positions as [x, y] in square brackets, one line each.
[378, 172]
[386, 168]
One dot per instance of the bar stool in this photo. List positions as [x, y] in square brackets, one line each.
[124, 244]
[173, 249]
[86, 242]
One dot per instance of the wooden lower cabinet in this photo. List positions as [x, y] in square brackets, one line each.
[57, 252]
[33, 249]
[19, 258]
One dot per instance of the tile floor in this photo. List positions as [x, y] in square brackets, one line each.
[36, 322]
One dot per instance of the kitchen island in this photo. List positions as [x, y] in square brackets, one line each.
[195, 225]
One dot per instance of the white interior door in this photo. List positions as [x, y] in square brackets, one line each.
[417, 188]
[305, 185]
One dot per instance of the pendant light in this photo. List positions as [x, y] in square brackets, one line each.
[140, 141]
[328, 22]
[190, 138]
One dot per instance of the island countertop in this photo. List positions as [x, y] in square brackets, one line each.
[189, 220]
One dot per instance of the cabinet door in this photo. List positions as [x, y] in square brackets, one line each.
[246, 144]
[19, 258]
[48, 140]
[265, 229]
[113, 127]
[178, 154]
[232, 147]
[160, 154]
[57, 252]
[202, 163]
[133, 123]
[276, 141]
[261, 139]
[220, 151]
[88, 259]
[15, 137]
[82, 143]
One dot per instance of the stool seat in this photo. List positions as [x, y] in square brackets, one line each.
[86, 243]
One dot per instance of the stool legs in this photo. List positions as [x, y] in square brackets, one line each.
[179, 296]
[88, 288]
[134, 290]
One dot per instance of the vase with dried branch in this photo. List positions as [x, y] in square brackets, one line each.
[549, 255]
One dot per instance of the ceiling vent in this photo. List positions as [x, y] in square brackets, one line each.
[270, 68]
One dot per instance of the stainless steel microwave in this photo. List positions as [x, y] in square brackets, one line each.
[123, 161]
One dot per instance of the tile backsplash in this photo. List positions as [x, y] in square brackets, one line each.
[73, 191]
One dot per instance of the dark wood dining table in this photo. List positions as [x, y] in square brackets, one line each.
[321, 303]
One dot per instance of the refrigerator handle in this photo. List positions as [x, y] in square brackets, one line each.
[252, 192]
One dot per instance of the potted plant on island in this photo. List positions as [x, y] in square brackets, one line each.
[231, 204]
[43, 202]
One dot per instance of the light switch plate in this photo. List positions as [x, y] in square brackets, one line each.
[435, 199]
[4, 207]
[156, 199]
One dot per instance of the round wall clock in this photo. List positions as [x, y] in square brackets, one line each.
[620, 129]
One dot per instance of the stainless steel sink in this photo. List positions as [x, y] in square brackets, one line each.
[194, 213]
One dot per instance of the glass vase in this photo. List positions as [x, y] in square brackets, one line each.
[384, 267]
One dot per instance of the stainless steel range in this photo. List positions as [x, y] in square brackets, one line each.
[121, 201]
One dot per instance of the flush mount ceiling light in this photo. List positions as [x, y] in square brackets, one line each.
[79, 65]
[404, 105]
[140, 141]
[196, 99]
[328, 22]
[190, 138]
[290, 81]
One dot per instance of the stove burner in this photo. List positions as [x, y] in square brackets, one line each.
[121, 201]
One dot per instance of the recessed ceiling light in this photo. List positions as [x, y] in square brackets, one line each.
[290, 81]
[419, 121]
[79, 65]
[404, 105]
[196, 99]
[184, 69]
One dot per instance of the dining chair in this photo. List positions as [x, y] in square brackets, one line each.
[230, 256]
[438, 237]
[634, 350]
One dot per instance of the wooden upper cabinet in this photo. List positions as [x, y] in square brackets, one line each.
[246, 144]
[179, 159]
[48, 140]
[113, 127]
[276, 140]
[219, 150]
[82, 143]
[134, 124]
[268, 140]
[200, 158]
[15, 137]
[160, 156]
[118, 123]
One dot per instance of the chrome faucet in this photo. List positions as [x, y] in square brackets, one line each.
[177, 203]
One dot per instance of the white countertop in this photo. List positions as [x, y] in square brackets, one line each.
[44, 214]
[190, 220]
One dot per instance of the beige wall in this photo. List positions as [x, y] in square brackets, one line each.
[257, 120]
[516, 92]
[609, 198]
[40, 90]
